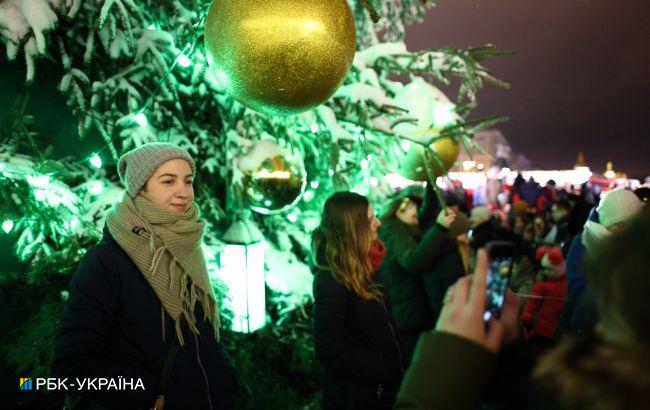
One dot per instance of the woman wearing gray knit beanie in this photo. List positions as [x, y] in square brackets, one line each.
[141, 309]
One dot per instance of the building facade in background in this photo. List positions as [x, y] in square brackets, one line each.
[491, 149]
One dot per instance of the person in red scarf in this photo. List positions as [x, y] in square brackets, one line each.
[354, 336]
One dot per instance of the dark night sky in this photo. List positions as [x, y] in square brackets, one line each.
[580, 78]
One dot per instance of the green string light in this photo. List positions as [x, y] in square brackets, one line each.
[7, 225]
[141, 119]
[96, 161]
[183, 60]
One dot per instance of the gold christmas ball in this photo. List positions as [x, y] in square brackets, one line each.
[280, 57]
[276, 185]
[412, 160]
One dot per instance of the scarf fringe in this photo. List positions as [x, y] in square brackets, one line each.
[172, 265]
[157, 258]
[179, 332]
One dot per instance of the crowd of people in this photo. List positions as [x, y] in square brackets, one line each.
[400, 298]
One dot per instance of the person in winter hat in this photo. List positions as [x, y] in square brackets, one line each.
[542, 311]
[142, 296]
[615, 209]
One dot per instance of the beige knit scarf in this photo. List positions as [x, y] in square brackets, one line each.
[166, 248]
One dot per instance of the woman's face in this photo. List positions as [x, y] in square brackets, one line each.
[374, 222]
[170, 187]
[408, 215]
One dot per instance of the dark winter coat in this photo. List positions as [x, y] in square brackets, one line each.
[546, 312]
[447, 266]
[445, 270]
[450, 372]
[356, 342]
[112, 326]
[581, 314]
[408, 256]
[561, 231]
[447, 372]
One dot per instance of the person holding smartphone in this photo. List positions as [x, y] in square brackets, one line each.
[454, 362]
[455, 366]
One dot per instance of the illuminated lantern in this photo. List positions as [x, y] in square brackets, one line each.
[241, 268]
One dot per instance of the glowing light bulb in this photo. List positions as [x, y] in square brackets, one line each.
[374, 181]
[314, 184]
[183, 60]
[309, 195]
[364, 164]
[96, 161]
[292, 217]
[406, 145]
[314, 127]
[7, 225]
[141, 119]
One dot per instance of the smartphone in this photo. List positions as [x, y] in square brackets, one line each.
[501, 255]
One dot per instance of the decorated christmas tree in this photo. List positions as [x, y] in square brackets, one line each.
[281, 104]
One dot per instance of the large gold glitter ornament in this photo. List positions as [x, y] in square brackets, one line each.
[274, 179]
[412, 159]
[280, 57]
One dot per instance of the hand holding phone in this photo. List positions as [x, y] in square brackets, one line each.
[465, 306]
[500, 259]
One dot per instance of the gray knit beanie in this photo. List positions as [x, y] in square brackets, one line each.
[136, 166]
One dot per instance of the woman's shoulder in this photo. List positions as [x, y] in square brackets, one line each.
[325, 284]
[107, 247]
[106, 255]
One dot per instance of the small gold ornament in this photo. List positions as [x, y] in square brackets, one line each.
[274, 180]
[280, 57]
[412, 159]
